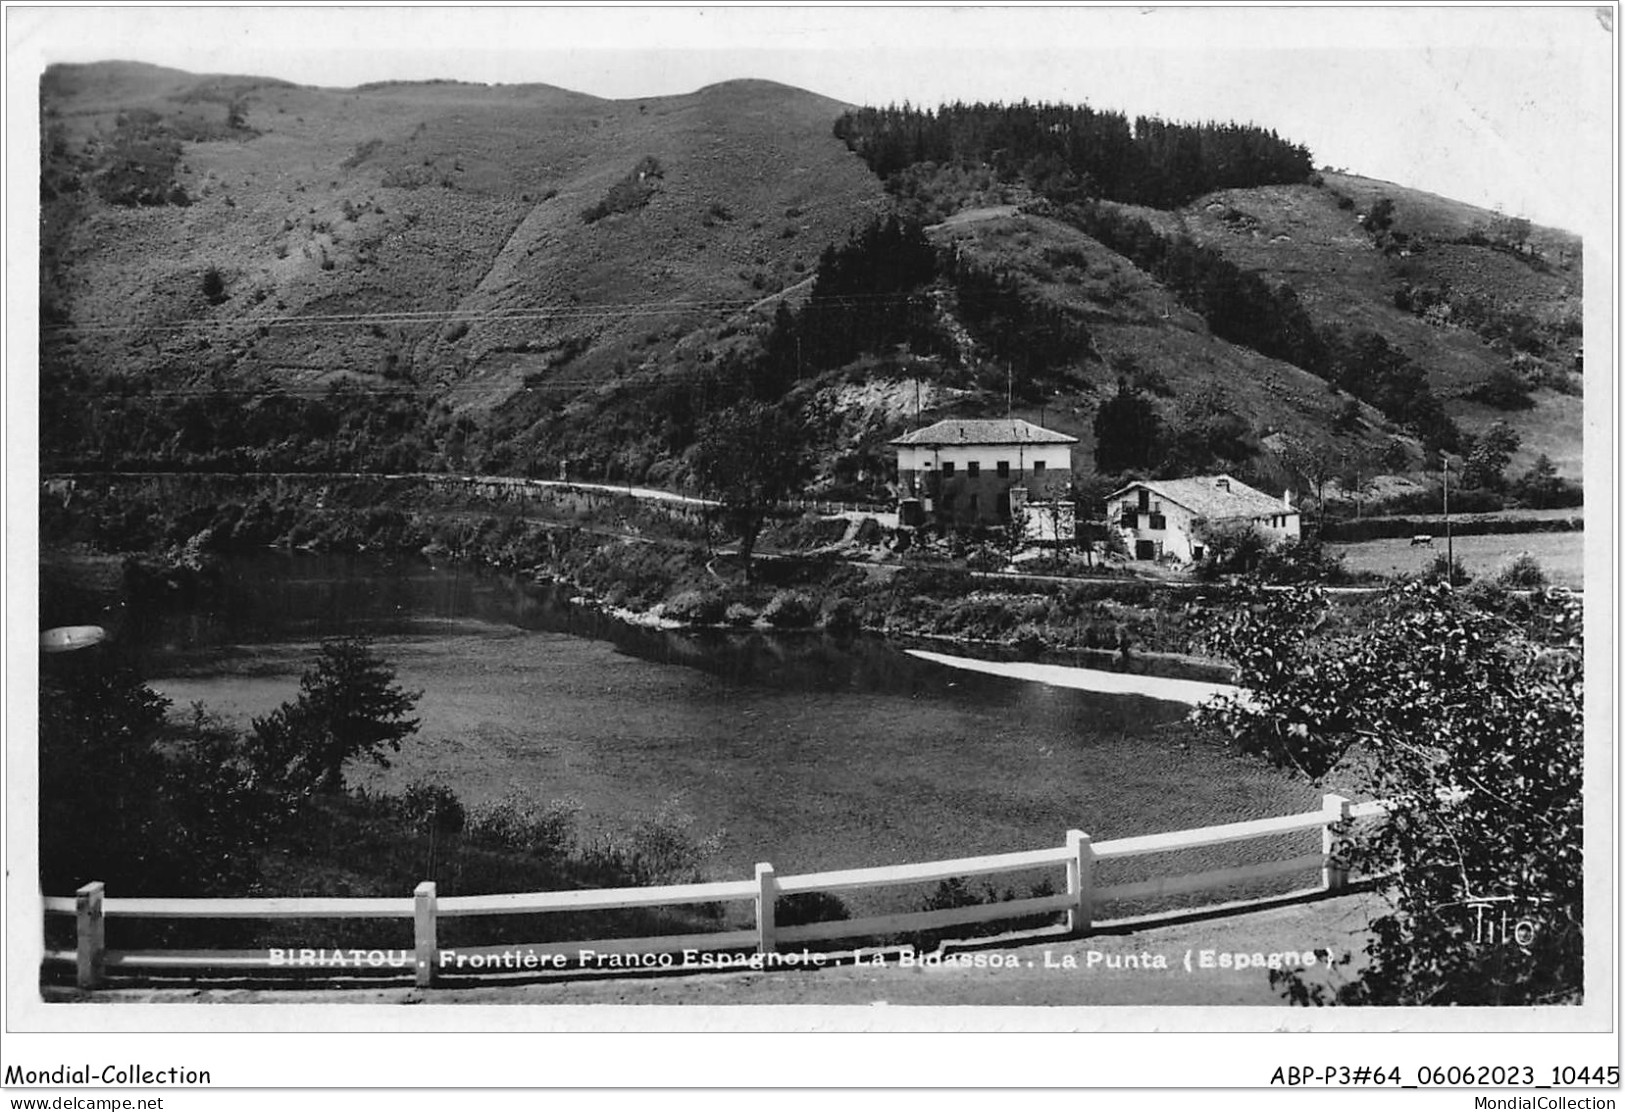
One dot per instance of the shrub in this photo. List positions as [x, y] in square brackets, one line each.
[955, 893]
[1524, 573]
[986, 559]
[841, 616]
[1444, 567]
[428, 805]
[214, 286]
[790, 610]
[739, 614]
[1232, 550]
[630, 193]
[696, 608]
[801, 908]
[661, 848]
[1304, 560]
[515, 822]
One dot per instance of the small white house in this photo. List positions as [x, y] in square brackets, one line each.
[1171, 517]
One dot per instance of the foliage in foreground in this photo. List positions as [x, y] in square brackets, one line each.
[1470, 724]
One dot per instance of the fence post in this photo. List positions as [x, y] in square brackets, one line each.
[767, 891]
[423, 930]
[1334, 874]
[92, 945]
[1080, 881]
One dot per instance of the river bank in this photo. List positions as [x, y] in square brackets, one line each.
[656, 564]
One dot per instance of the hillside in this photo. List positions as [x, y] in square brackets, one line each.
[410, 218]
[519, 278]
[1504, 306]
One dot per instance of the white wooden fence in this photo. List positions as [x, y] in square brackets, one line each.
[91, 907]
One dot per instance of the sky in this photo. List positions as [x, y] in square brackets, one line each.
[1504, 107]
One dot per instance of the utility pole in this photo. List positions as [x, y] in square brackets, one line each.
[1009, 380]
[1449, 541]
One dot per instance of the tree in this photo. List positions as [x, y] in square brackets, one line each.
[1540, 486]
[1208, 436]
[749, 457]
[349, 706]
[1230, 548]
[1469, 723]
[149, 806]
[1309, 468]
[1360, 466]
[1381, 217]
[1489, 455]
[1128, 432]
[214, 285]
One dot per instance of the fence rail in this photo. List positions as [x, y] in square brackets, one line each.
[91, 907]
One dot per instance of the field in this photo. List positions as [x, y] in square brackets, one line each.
[1562, 555]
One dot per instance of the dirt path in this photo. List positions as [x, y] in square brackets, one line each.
[1131, 967]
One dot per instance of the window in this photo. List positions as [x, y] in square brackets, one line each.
[1128, 518]
[1004, 469]
[947, 469]
[975, 502]
[973, 469]
[1158, 521]
[1038, 467]
[1145, 501]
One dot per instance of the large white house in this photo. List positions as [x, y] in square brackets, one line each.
[980, 472]
[1172, 517]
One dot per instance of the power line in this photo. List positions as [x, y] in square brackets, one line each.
[429, 317]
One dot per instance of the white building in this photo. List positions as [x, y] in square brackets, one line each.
[1172, 517]
[982, 472]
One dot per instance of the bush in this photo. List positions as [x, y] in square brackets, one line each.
[1524, 573]
[739, 614]
[801, 908]
[661, 848]
[790, 610]
[1304, 560]
[986, 559]
[214, 286]
[515, 822]
[955, 893]
[630, 193]
[841, 616]
[1232, 550]
[427, 806]
[696, 608]
[1444, 567]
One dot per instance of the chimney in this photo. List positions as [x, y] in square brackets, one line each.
[1222, 482]
[1286, 499]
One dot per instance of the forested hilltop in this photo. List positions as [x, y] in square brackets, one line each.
[1072, 152]
[245, 275]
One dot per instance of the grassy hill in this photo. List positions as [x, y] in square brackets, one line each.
[1315, 239]
[534, 269]
[431, 211]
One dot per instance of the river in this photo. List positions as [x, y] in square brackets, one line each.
[802, 750]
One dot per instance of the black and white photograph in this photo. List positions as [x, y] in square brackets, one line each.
[691, 521]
